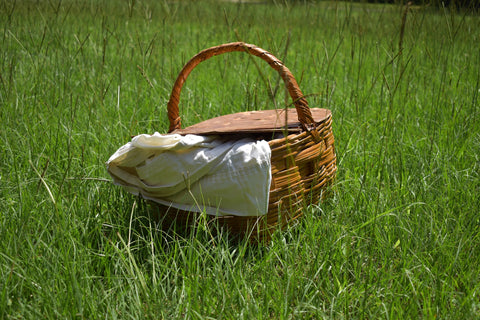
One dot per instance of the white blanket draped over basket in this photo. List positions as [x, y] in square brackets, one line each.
[196, 173]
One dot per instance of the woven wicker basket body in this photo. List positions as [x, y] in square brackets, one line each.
[303, 160]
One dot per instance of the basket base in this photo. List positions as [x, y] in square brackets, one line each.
[253, 228]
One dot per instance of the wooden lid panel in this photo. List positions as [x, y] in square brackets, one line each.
[254, 122]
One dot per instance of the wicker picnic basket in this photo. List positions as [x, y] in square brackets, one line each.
[303, 160]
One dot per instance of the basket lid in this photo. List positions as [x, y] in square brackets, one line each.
[263, 121]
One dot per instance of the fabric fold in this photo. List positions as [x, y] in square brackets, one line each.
[196, 173]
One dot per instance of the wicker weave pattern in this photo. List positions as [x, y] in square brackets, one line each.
[302, 164]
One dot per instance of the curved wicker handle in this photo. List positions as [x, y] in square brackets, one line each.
[303, 111]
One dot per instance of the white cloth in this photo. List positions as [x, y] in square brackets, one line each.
[196, 173]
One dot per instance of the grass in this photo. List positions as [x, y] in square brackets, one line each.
[399, 238]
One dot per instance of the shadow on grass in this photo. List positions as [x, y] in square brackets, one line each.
[145, 227]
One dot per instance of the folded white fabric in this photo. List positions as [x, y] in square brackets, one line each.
[196, 173]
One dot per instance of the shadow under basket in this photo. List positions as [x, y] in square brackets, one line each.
[303, 161]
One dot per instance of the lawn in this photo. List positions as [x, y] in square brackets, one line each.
[399, 237]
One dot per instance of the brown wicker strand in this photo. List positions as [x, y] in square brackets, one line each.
[301, 104]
